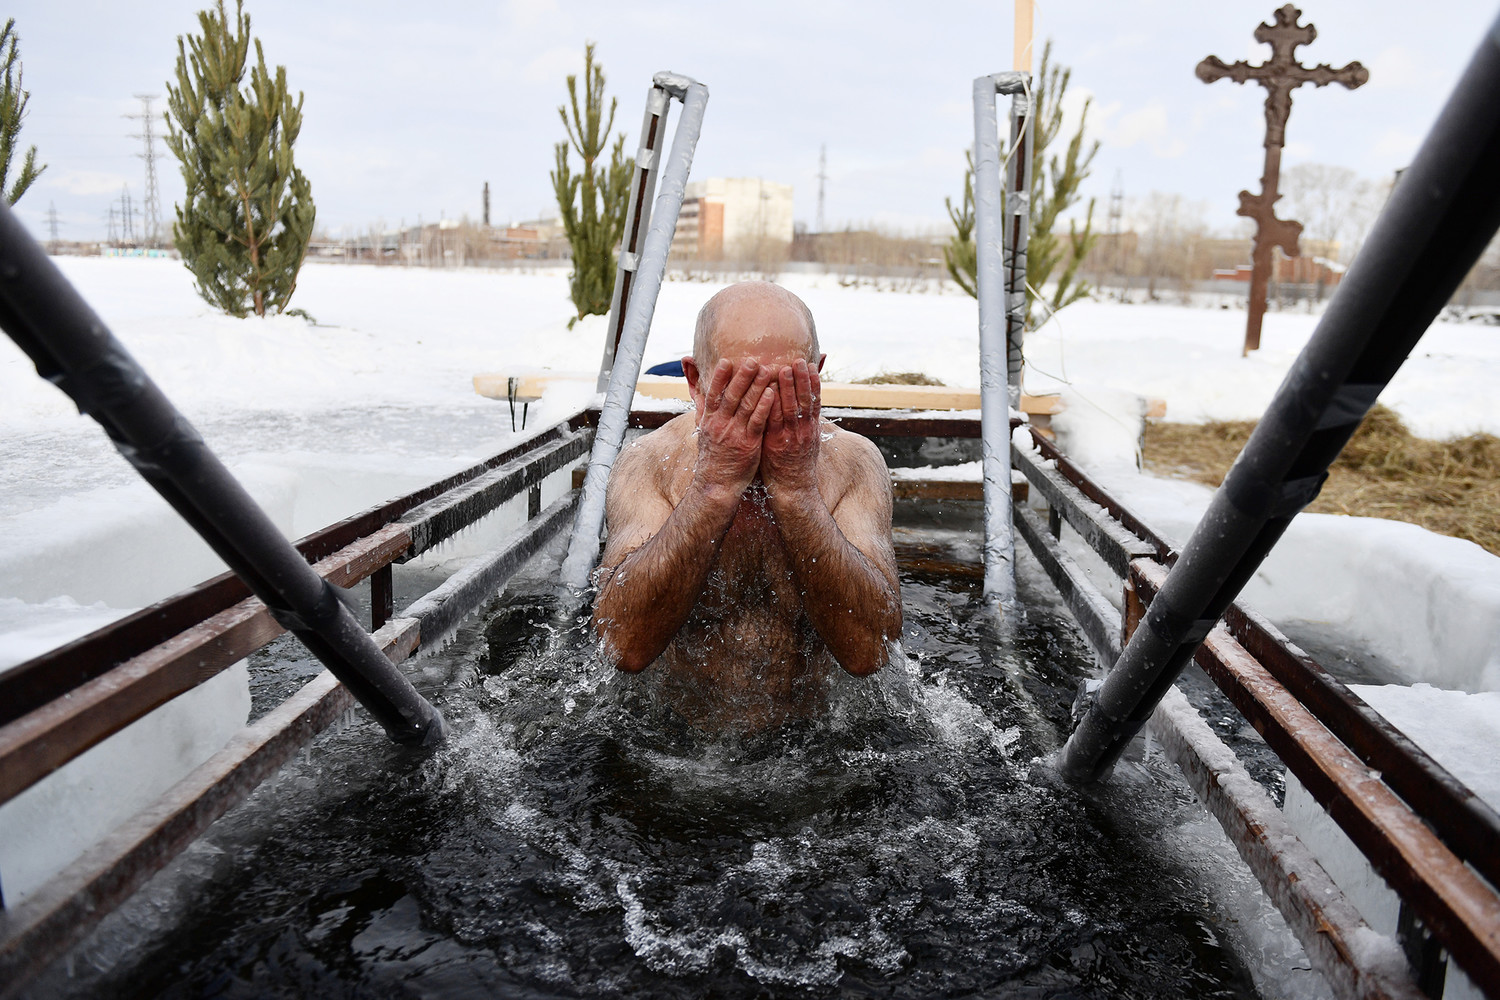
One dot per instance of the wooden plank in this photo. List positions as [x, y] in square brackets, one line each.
[1464, 821]
[441, 609]
[67, 907]
[1114, 542]
[382, 597]
[1328, 926]
[1096, 617]
[909, 489]
[1460, 909]
[46, 738]
[529, 387]
[894, 424]
[1100, 496]
[936, 489]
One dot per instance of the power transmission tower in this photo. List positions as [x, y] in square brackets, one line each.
[822, 179]
[127, 218]
[151, 221]
[486, 204]
[113, 234]
[52, 226]
[1116, 210]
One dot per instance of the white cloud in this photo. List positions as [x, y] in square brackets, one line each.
[84, 182]
[1394, 68]
[554, 64]
[1396, 144]
[1143, 125]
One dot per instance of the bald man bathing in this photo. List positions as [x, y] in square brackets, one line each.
[749, 552]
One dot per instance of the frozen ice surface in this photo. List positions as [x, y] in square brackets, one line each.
[1461, 731]
[51, 823]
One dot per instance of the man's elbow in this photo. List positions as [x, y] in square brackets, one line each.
[618, 653]
[867, 658]
[872, 654]
[629, 663]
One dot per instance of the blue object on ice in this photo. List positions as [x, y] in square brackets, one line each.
[667, 368]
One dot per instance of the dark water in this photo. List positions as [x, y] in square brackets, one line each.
[573, 840]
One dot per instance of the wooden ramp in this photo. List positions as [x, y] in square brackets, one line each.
[529, 387]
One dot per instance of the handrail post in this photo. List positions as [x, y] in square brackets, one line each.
[583, 548]
[1438, 220]
[637, 220]
[999, 354]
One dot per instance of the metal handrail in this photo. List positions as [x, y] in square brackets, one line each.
[73, 349]
[1438, 221]
[583, 548]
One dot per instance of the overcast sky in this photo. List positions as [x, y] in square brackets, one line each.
[411, 107]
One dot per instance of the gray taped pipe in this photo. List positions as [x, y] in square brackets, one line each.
[1018, 229]
[989, 228]
[638, 214]
[583, 549]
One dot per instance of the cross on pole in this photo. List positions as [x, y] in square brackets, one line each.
[1280, 75]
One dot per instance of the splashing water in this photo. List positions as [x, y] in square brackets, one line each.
[573, 837]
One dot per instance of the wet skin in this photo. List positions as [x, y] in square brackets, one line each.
[749, 541]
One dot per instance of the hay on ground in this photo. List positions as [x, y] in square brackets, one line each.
[899, 378]
[1450, 487]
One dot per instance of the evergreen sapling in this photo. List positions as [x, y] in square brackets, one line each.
[592, 203]
[244, 225]
[13, 98]
[1054, 183]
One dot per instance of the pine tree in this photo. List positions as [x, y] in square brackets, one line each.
[13, 100]
[244, 225]
[960, 254]
[593, 202]
[1054, 189]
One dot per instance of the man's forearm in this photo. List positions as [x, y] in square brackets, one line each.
[645, 600]
[850, 602]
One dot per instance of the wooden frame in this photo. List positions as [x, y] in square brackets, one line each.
[1328, 738]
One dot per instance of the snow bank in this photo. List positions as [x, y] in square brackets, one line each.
[323, 420]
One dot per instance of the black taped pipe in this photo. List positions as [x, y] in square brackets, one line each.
[1443, 212]
[72, 348]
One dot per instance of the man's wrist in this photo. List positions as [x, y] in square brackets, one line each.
[716, 495]
[794, 496]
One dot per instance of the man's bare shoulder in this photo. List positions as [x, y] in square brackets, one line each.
[852, 455]
[654, 457]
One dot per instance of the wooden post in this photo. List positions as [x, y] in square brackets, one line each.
[1025, 10]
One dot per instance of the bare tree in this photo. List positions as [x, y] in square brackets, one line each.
[1334, 204]
[1170, 228]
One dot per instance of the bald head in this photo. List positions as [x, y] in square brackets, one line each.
[754, 319]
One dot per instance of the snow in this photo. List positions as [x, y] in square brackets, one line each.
[376, 398]
[49, 824]
[1453, 727]
[321, 420]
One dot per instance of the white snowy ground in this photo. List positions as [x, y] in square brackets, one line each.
[376, 399]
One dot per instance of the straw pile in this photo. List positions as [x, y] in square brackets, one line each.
[1450, 487]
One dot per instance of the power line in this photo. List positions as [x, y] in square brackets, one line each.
[1116, 210]
[151, 221]
[52, 225]
[822, 178]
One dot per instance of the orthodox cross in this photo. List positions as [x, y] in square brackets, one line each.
[1280, 75]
